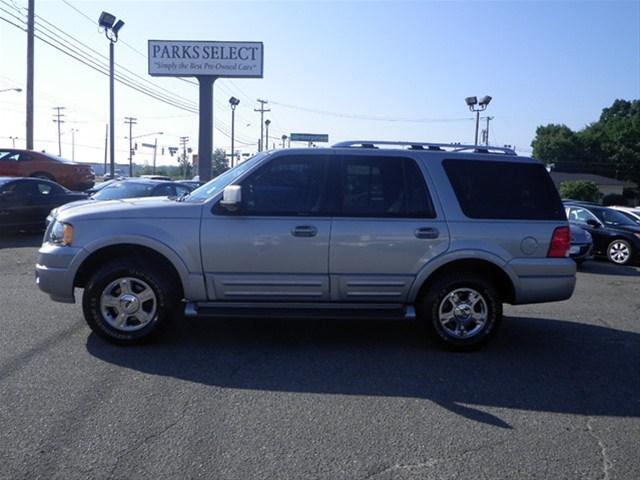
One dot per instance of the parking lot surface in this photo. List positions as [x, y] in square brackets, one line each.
[556, 395]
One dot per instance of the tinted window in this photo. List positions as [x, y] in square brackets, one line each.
[291, 185]
[504, 190]
[613, 217]
[124, 190]
[164, 190]
[383, 187]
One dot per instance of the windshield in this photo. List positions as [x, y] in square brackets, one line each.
[613, 217]
[212, 187]
[120, 190]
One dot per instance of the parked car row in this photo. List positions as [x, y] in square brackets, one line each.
[26, 202]
[615, 233]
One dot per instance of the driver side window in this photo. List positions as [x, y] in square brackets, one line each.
[288, 185]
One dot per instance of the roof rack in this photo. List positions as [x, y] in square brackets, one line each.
[450, 147]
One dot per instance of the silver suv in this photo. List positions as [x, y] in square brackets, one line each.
[442, 233]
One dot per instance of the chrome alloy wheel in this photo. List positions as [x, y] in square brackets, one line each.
[128, 304]
[619, 252]
[463, 313]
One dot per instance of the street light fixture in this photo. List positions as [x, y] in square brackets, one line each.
[475, 106]
[111, 29]
[233, 102]
[11, 90]
[267, 122]
[284, 139]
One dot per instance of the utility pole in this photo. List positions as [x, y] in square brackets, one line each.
[183, 143]
[106, 139]
[131, 121]
[486, 132]
[30, 45]
[58, 119]
[155, 150]
[73, 143]
[262, 111]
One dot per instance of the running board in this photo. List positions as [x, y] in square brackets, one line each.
[329, 311]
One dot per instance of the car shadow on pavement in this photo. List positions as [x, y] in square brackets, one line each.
[534, 364]
[19, 240]
[606, 268]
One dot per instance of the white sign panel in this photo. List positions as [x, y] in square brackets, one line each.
[175, 58]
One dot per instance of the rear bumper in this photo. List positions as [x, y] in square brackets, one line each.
[543, 279]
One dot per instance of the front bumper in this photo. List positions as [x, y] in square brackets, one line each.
[55, 271]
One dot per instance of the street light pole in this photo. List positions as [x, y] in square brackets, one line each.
[111, 29]
[112, 123]
[477, 107]
[267, 122]
[233, 102]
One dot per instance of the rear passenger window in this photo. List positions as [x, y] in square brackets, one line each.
[383, 187]
[504, 190]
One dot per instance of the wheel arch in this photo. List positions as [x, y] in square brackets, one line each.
[104, 254]
[492, 270]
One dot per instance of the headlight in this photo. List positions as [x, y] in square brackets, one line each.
[61, 233]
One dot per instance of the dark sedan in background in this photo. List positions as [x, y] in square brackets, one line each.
[26, 202]
[615, 236]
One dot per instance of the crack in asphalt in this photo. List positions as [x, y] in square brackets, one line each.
[434, 461]
[607, 464]
[152, 436]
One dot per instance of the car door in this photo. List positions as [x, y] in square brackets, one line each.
[276, 246]
[385, 228]
[46, 196]
[16, 205]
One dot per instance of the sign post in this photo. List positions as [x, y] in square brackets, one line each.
[207, 61]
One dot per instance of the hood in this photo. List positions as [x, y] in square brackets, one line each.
[147, 207]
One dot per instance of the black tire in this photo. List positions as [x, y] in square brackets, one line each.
[441, 295]
[620, 252]
[43, 175]
[139, 279]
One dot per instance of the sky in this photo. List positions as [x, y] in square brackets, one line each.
[352, 70]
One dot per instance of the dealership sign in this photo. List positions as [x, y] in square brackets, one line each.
[175, 58]
[309, 137]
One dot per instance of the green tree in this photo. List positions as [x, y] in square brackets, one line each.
[580, 190]
[557, 144]
[219, 162]
[610, 146]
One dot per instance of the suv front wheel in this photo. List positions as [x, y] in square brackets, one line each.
[127, 303]
[462, 312]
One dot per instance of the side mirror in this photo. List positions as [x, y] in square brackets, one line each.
[231, 197]
[594, 223]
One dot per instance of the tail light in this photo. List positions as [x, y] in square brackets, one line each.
[560, 243]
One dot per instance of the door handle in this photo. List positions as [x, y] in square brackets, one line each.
[304, 231]
[427, 232]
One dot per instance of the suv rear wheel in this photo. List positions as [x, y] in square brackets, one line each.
[127, 303]
[462, 312]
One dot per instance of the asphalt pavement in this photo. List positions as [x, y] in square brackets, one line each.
[556, 395]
